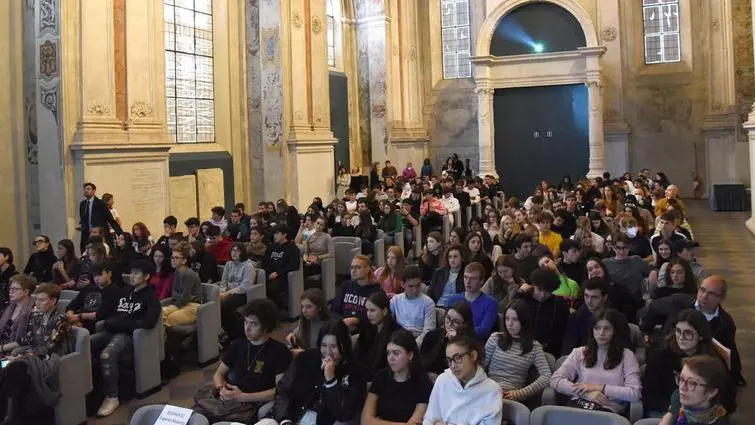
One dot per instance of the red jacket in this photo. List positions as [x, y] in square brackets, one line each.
[221, 250]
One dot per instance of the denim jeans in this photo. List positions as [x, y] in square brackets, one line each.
[110, 348]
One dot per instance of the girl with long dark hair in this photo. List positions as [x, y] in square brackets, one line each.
[458, 320]
[162, 280]
[679, 279]
[604, 375]
[314, 313]
[505, 282]
[511, 353]
[67, 270]
[374, 336]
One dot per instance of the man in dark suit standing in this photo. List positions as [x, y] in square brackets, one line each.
[93, 212]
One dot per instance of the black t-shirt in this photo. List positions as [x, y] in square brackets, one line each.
[397, 400]
[253, 367]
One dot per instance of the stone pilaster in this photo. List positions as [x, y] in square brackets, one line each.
[15, 232]
[750, 127]
[595, 103]
[485, 125]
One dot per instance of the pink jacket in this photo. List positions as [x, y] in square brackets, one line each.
[435, 205]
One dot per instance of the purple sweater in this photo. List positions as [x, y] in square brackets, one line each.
[623, 383]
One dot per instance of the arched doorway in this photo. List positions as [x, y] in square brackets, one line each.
[537, 55]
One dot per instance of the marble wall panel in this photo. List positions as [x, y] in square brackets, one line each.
[210, 191]
[453, 127]
[183, 197]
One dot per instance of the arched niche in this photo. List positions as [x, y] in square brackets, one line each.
[542, 25]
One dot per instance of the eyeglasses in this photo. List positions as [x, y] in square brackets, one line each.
[685, 334]
[456, 358]
[689, 383]
[704, 291]
[454, 322]
[39, 241]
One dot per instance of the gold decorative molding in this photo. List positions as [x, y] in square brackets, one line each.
[296, 21]
[316, 25]
[97, 108]
[608, 33]
[141, 110]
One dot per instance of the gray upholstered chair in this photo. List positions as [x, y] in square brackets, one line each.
[68, 294]
[457, 219]
[648, 421]
[440, 317]
[75, 381]
[468, 210]
[638, 342]
[149, 351]
[418, 241]
[207, 326]
[295, 289]
[557, 415]
[478, 209]
[258, 290]
[515, 413]
[345, 248]
[447, 226]
[548, 397]
[62, 305]
[147, 415]
[378, 259]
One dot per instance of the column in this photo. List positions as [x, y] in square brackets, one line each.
[310, 142]
[750, 127]
[595, 103]
[14, 233]
[373, 36]
[486, 130]
[408, 135]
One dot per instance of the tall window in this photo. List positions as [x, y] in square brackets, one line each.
[455, 39]
[189, 71]
[331, 27]
[661, 25]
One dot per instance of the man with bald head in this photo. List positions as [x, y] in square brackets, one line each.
[671, 192]
[710, 294]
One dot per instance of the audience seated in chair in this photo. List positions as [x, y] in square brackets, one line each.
[374, 333]
[323, 384]
[505, 282]
[186, 294]
[282, 257]
[349, 304]
[550, 312]
[458, 320]
[217, 244]
[95, 301]
[245, 377]
[619, 297]
[430, 259]
[448, 280]
[40, 263]
[567, 288]
[203, 263]
[238, 278]
[162, 278]
[68, 269]
[604, 375]
[389, 277]
[413, 310]
[479, 249]
[42, 322]
[464, 393]
[15, 318]
[399, 393]
[7, 270]
[678, 278]
[579, 324]
[314, 313]
[484, 307]
[511, 353]
[701, 380]
[316, 248]
[691, 336]
[138, 309]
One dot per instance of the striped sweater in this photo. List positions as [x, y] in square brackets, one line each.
[510, 369]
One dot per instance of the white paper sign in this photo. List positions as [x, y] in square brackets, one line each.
[174, 415]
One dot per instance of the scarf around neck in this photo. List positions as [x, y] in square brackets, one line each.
[709, 415]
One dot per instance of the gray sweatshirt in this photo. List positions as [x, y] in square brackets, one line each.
[186, 288]
[238, 277]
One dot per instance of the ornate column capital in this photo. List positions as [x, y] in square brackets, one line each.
[484, 91]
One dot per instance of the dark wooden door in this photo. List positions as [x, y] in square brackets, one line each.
[339, 117]
[541, 133]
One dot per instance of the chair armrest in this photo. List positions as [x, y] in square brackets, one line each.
[636, 411]
[548, 398]
[295, 289]
[258, 291]
[328, 266]
[264, 410]
[166, 301]
[148, 354]
[71, 368]
[99, 326]
[208, 329]
[379, 252]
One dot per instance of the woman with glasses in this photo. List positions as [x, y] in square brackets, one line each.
[691, 336]
[40, 262]
[604, 375]
[680, 278]
[323, 385]
[15, 318]
[700, 382]
[399, 393]
[186, 293]
[458, 321]
[464, 393]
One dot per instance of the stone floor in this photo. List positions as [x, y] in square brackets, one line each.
[726, 248]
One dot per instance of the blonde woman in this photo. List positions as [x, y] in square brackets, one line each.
[508, 230]
[344, 181]
[389, 277]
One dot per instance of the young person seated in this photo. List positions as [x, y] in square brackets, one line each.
[604, 375]
[448, 280]
[525, 262]
[571, 263]
[349, 305]
[282, 257]
[186, 294]
[550, 313]
[162, 278]
[96, 301]
[700, 382]
[203, 263]
[430, 259]
[137, 309]
[511, 353]
[579, 324]
[245, 377]
[323, 385]
[389, 277]
[691, 337]
[484, 307]
[685, 250]
[413, 310]
[678, 279]
[479, 250]
[458, 321]
[665, 230]
[619, 297]
[43, 321]
[374, 334]
[399, 393]
[170, 224]
[390, 222]
[41, 261]
[256, 247]
[314, 313]
[15, 318]
[217, 244]
[68, 269]
[567, 288]
[463, 393]
[28, 389]
[238, 278]
[505, 282]
[7, 270]
[625, 270]
[550, 239]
